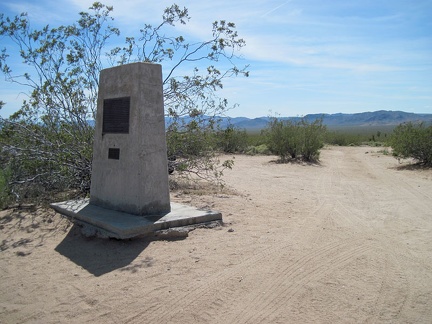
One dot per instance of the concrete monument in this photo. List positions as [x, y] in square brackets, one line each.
[129, 172]
[129, 194]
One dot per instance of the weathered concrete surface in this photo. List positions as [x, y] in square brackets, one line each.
[111, 223]
[136, 182]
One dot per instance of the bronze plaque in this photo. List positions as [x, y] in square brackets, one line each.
[116, 116]
[114, 153]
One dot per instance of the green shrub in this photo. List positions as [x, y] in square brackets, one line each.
[260, 149]
[371, 135]
[4, 188]
[313, 139]
[413, 141]
[291, 140]
[342, 139]
[47, 143]
[256, 138]
[283, 139]
[193, 151]
[232, 140]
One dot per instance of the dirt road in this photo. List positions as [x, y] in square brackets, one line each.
[346, 241]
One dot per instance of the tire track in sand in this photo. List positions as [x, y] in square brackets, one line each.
[219, 287]
[392, 295]
[395, 288]
[291, 278]
[204, 300]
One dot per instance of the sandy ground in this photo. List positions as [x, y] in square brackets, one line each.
[347, 241]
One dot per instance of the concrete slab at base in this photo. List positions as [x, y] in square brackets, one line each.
[121, 225]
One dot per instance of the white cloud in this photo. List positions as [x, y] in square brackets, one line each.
[324, 54]
[48, 12]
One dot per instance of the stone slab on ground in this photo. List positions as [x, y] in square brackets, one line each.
[115, 224]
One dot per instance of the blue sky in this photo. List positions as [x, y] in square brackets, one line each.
[305, 56]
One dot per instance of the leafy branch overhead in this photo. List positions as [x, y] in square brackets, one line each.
[184, 94]
[48, 142]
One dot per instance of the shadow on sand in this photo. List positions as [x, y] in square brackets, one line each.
[101, 256]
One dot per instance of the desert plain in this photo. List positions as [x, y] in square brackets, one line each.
[348, 240]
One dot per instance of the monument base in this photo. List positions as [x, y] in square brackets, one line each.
[115, 224]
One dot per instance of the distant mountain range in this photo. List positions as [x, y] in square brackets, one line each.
[376, 118]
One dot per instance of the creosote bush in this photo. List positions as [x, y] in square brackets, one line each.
[292, 140]
[47, 144]
[232, 140]
[412, 140]
[4, 188]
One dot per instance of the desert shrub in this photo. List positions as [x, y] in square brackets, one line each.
[283, 139]
[232, 140]
[295, 139]
[372, 135]
[48, 142]
[260, 149]
[312, 134]
[384, 151]
[342, 139]
[413, 141]
[256, 138]
[5, 194]
[193, 152]
[44, 159]
[191, 139]
[257, 143]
